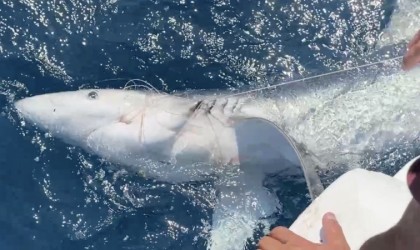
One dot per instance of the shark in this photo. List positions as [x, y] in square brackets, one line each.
[306, 127]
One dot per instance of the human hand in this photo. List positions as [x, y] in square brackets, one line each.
[281, 238]
[412, 56]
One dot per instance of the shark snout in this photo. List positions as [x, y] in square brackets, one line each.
[22, 107]
[37, 109]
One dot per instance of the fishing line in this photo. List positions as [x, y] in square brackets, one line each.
[311, 77]
[150, 87]
[129, 81]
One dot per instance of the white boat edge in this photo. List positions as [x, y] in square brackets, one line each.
[366, 204]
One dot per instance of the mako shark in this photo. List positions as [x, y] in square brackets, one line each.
[318, 125]
[176, 139]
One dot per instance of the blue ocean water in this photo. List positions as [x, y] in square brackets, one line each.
[57, 197]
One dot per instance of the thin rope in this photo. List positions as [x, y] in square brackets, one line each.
[257, 89]
[311, 77]
[148, 85]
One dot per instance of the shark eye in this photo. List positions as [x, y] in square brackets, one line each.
[93, 95]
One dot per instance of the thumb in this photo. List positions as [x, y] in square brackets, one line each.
[415, 40]
[333, 233]
[412, 57]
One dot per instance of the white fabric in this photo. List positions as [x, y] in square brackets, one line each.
[366, 203]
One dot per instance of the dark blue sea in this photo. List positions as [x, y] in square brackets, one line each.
[54, 196]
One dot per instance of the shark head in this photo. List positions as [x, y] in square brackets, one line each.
[74, 115]
[111, 123]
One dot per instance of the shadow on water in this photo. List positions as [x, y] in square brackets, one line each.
[266, 149]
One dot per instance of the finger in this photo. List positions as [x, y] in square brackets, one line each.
[285, 236]
[414, 40]
[412, 58]
[268, 243]
[333, 232]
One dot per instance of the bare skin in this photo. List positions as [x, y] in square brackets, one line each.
[281, 238]
[412, 56]
[402, 236]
